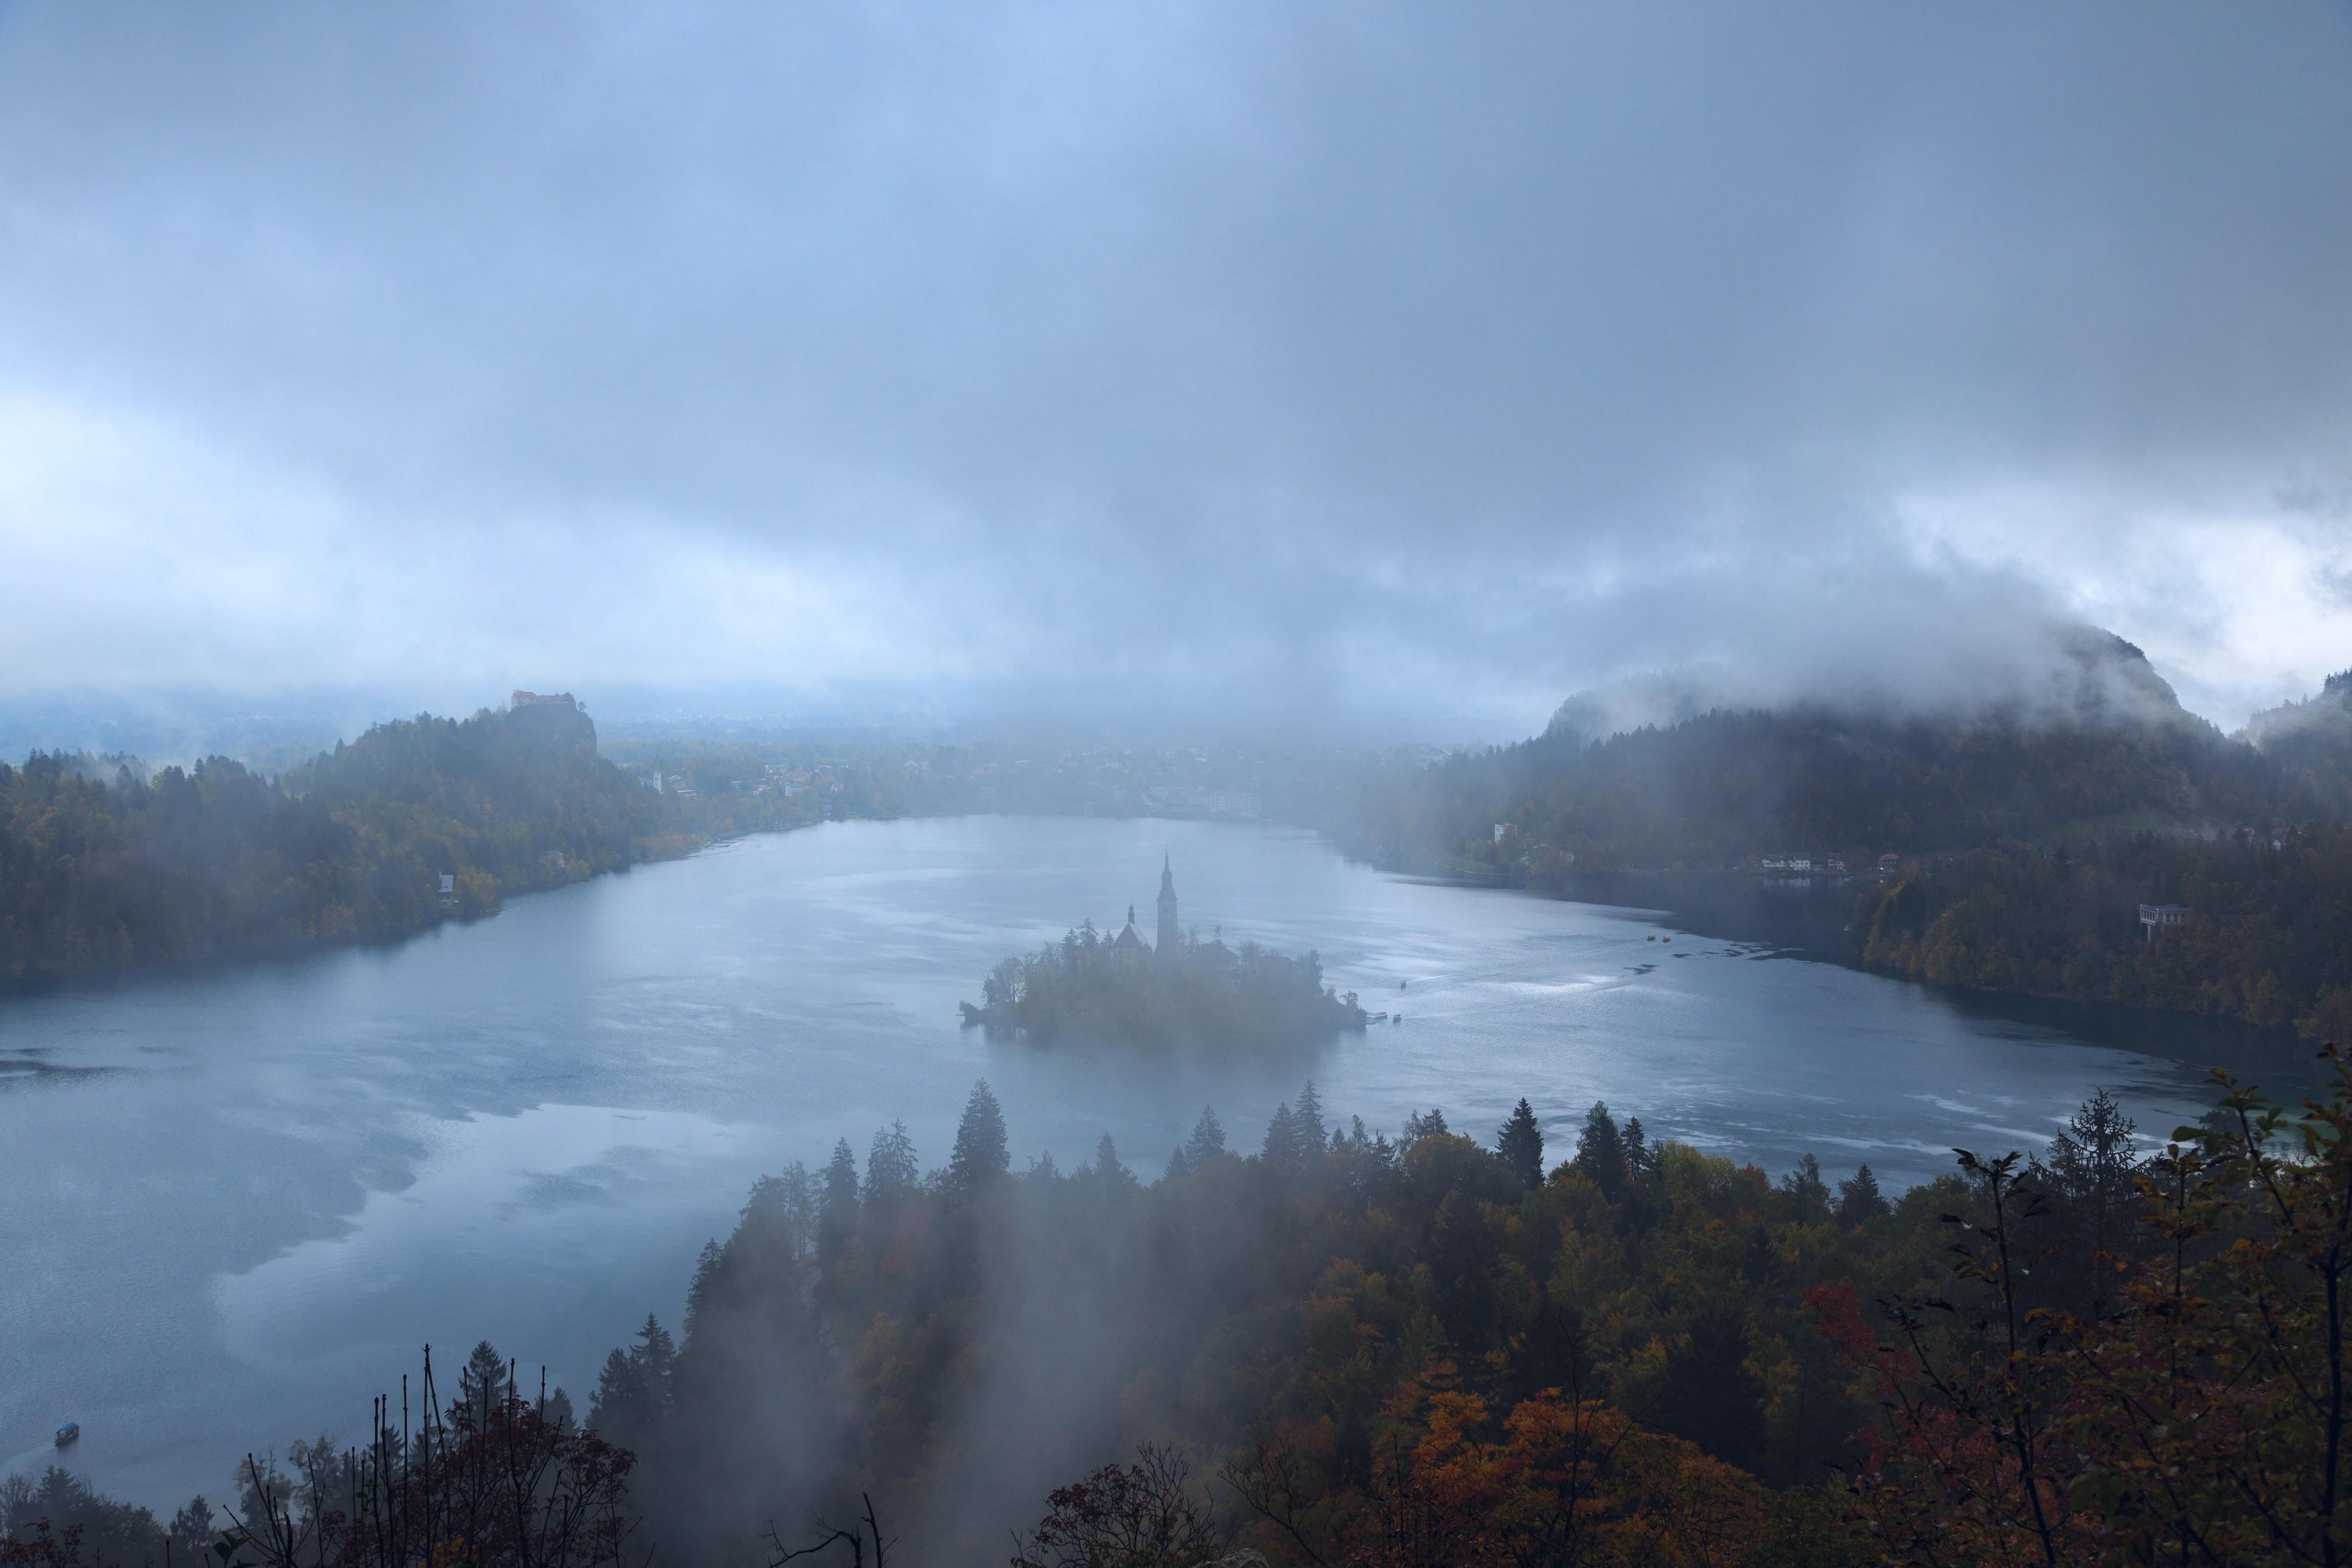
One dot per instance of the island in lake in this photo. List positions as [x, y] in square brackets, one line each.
[1178, 991]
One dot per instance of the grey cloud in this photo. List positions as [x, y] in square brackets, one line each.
[1410, 364]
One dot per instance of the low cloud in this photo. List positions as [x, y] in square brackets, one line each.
[1358, 367]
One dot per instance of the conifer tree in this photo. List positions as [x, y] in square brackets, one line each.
[1281, 1138]
[891, 1172]
[1600, 1151]
[657, 1353]
[836, 1218]
[1812, 1194]
[1106, 1162]
[1639, 1155]
[1520, 1142]
[1306, 1121]
[1859, 1200]
[481, 1384]
[980, 1154]
[1208, 1140]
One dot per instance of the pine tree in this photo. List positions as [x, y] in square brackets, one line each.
[1639, 1155]
[190, 1530]
[1520, 1142]
[1208, 1140]
[1106, 1162]
[1859, 1200]
[1179, 1165]
[981, 1155]
[1281, 1138]
[481, 1386]
[1601, 1153]
[1306, 1121]
[891, 1172]
[1420, 1125]
[2087, 1179]
[656, 1354]
[836, 1218]
[1809, 1193]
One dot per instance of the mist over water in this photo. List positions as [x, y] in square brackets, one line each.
[523, 1129]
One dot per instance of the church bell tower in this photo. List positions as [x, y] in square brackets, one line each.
[1168, 940]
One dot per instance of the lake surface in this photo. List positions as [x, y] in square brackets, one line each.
[233, 1207]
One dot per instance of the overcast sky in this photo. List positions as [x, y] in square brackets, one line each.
[1399, 366]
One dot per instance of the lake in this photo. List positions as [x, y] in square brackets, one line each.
[233, 1207]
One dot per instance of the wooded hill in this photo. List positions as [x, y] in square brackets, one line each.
[107, 869]
[1720, 788]
[2025, 838]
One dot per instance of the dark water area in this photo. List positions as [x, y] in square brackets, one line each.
[233, 1206]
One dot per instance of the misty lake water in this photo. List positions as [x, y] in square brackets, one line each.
[234, 1206]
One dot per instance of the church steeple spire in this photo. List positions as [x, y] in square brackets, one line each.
[1168, 940]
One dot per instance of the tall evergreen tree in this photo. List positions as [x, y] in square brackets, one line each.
[1600, 1151]
[980, 1154]
[1208, 1140]
[1859, 1199]
[891, 1172]
[481, 1384]
[1306, 1121]
[1639, 1155]
[1281, 1138]
[1420, 1125]
[1107, 1163]
[1811, 1195]
[1520, 1142]
[2087, 1178]
[837, 1217]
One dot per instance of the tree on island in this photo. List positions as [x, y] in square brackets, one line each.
[1187, 993]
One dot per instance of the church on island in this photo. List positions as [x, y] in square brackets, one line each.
[1177, 991]
[1172, 941]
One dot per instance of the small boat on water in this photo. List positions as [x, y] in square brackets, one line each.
[69, 1433]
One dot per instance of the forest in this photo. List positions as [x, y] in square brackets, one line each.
[1717, 791]
[112, 870]
[1344, 1349]
[1201, 994]
[2267, 940]
[2022, 845]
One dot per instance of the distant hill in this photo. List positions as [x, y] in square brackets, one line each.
[2311, 743]
[2029, 827]
[2087, 742]
[104, 872]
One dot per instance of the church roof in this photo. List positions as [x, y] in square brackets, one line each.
[1128, 940]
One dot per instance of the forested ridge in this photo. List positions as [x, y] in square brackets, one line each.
[2267, 939]
[2019, 846]
[104, 870]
